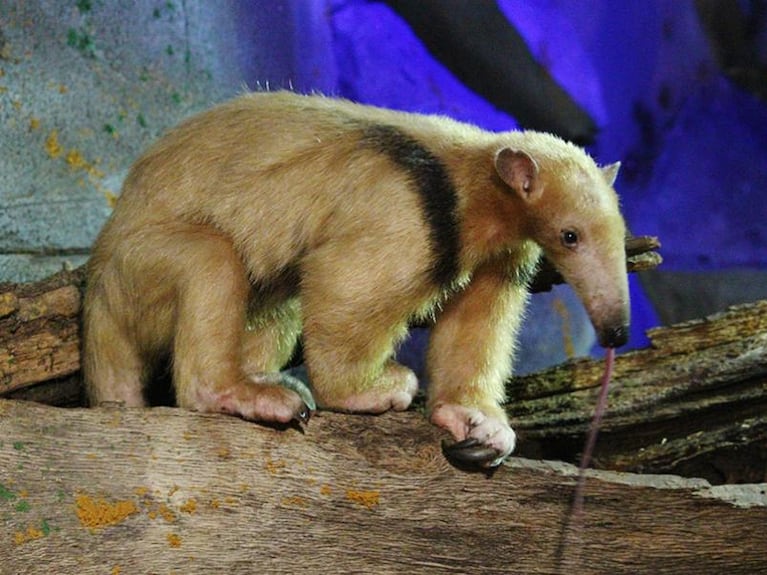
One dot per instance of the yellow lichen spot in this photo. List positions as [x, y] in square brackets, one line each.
[34, 123]
[63, 89]
[111, 198]
[214, 503]
[295, 501]
[116, 570]
[326, 490]
[167, 513]
[174, 540]
[274, 466]
[141, 491]
[76, 160]
[189, 507]
[52, 145]
[173, 490]
[95, 512]
[31, 533]
[224, 452]
[16, 105]
[369, 499]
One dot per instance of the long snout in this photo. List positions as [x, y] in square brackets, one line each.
[606, 300]
[602, 287]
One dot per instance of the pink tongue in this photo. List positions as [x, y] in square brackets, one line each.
[588, 450]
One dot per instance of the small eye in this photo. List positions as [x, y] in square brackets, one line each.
[569, 238]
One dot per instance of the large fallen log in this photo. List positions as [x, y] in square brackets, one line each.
[164, 490]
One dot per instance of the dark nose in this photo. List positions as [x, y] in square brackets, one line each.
[614, 336]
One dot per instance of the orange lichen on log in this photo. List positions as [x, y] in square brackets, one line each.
[21, 537]
[295, 501]
[274, 467]
[189, 507]
[369, 499]
[95, 512]
[162, 510]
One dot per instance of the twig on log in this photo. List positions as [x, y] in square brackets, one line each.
[640, 256]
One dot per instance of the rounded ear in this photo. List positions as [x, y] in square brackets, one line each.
[520, 172]
[610, 173]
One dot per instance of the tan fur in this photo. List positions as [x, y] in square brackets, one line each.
[275, 189]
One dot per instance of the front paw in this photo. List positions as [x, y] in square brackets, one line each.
[482, 438]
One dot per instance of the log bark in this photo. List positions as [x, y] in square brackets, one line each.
[164, 490]
[39, 331]
[693, 403]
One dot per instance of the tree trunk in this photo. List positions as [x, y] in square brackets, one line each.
[165, 490]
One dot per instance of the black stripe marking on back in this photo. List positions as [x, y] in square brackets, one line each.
[439, 199]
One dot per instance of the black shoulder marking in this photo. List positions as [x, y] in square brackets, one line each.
[439, 199]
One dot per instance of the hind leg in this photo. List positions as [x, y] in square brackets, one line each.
[112, 368]
[270, 337]
[349, 336]
[268, 343]
[208, 368]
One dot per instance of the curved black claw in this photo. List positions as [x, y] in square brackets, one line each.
[304, 415]
[471, 451]
[299, 387]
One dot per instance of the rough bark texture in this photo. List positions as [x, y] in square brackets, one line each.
[164, 490]
[694, 403]
[39, 331]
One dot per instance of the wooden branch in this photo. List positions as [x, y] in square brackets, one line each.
[640, 256]
[694, 403]
[39, 330]
[165, 490]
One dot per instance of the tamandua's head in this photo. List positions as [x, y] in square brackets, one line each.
[572, 212]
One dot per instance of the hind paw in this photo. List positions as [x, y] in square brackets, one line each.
[275, 397]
